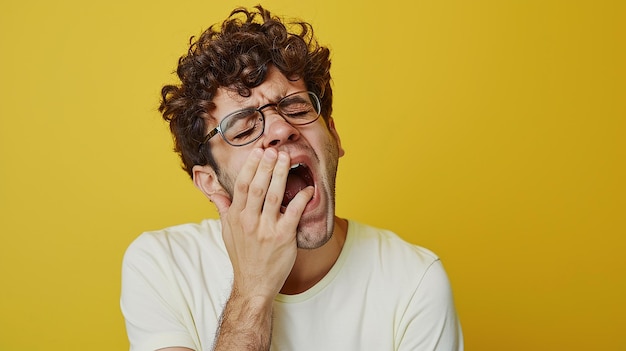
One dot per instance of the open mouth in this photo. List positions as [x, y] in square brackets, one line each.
[299, 178]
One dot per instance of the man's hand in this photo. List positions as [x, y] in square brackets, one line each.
[261, 244]
[261, 241]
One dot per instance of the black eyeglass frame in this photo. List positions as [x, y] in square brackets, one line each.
[316, 104]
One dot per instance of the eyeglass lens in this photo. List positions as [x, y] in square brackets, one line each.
[245, 126]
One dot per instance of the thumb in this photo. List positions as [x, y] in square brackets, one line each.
[222, 203]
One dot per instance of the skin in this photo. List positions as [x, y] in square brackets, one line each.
[271, 250]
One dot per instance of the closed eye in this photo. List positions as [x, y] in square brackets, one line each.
[242, 126]
[297, 109]
[245, 134]
[297, 114]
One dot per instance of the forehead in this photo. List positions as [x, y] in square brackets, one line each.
[274, 87]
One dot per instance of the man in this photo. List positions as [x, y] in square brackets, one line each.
[252, 123]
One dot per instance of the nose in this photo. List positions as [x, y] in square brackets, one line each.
[277, 130]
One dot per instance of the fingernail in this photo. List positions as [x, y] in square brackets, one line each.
[257, 152]
[270, 154]
[283, 156]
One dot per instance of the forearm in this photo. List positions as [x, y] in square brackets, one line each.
[246, 324]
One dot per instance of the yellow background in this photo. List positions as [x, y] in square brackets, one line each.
[492, 132]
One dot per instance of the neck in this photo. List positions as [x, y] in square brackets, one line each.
[313, 265]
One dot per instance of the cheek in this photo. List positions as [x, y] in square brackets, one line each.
[230, 166]
[227, 182]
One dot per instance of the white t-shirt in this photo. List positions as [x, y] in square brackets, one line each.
[381, 294]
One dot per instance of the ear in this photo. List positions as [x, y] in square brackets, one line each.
[205, 179]
[333, 131]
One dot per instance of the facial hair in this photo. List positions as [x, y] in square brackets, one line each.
[306, 237]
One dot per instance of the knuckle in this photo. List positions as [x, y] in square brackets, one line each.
[249, 227]
[273, 199]
[242, 187]
[256, 191]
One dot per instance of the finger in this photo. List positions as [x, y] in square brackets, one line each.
[296, 207]
[276, 190]
[222, 203]
[244, 178]
[261, 181]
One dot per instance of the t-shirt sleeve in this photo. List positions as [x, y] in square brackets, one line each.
[430, 321]
[149, 300]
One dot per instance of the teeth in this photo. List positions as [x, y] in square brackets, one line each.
[296, 165]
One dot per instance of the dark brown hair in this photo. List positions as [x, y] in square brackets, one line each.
[237, 55]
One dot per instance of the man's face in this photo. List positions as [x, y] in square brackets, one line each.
[315, 147]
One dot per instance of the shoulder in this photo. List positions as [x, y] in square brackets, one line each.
[176, 241]
[413, 281]
[387, 247]
[390, 260]
[174, 280]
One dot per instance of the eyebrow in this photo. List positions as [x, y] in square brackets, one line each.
[276, 99]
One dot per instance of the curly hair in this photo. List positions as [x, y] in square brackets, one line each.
[237, 55]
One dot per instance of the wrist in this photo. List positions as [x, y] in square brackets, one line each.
[252, 302]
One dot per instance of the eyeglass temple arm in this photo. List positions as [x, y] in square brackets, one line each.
[209, 136]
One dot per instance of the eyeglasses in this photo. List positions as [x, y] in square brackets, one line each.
[247, 125]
